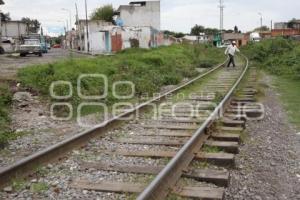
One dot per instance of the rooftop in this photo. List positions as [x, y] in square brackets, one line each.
[135, 4]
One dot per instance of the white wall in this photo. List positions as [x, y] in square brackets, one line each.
[13, 29]
[142, 34]
[97, 42]
[148, 15]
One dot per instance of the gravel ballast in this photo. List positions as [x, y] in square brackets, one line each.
[268, 163]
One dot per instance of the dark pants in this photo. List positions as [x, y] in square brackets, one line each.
[231, 61]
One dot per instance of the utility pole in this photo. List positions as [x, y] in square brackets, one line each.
[221, 6]
[87, 27]
[271, 25]
[261, 21]
[78, 27]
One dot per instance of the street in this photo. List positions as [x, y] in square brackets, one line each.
[10, 64]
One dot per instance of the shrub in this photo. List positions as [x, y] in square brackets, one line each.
[279, 56]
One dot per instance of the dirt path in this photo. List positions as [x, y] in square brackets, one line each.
[268, 164]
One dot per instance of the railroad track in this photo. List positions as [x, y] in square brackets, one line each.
[180, 150]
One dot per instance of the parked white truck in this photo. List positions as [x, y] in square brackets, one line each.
[31, 46]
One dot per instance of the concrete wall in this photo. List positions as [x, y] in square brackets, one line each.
[145, 15]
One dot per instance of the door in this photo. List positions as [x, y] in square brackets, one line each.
[116, 42]
[107, 41]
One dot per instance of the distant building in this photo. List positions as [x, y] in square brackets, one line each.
[1, 3]
[239, 38]
[195, 39]
[280, 25]
[141, 13]
[104, 37]
[293, 24]
[285, 32]
[14, 29]
[286, 29]
[11, 34]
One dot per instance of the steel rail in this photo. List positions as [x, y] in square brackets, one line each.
[25, 166]
[160, 187]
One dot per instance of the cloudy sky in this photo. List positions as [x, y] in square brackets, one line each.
[177, 15]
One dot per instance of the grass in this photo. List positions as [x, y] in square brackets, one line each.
[280, 57]
[6, 134]
[5, 102]
[18, 184]
[289, 90]
[148, 70]
[39, 187]
[211, 149]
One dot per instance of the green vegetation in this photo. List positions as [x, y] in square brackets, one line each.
[211, 149]
[39, 187]
[105, 13]
[6, 134]
[278, 56]
[281, 57]
[18, 184]
[290, 96]
[5, 102]
[149, 70]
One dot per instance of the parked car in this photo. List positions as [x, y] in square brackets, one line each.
[56, 46]
[31, 46]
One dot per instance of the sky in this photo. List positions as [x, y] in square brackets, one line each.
[176, 15]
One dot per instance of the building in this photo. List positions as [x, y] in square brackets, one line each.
[280, 25]
[195, 39]
[293, 24]
[285, 32]
[1, 50]
[11, 34]
[104, 37]
[14, 29]
[239, 38]
[98, 37]
[136, 25]
[140, 13]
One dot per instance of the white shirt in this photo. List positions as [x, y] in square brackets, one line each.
[231, 50]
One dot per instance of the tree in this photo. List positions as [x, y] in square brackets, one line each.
[105, 13]
[197, 29]
[263, 28]
[33, 24]
[211, 31]
[236, 29]
[5, 17]
[175, 34]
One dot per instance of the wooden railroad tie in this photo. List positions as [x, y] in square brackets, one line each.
[208, 193]
[218, 177]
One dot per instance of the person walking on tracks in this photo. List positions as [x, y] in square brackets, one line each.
[230, 51]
